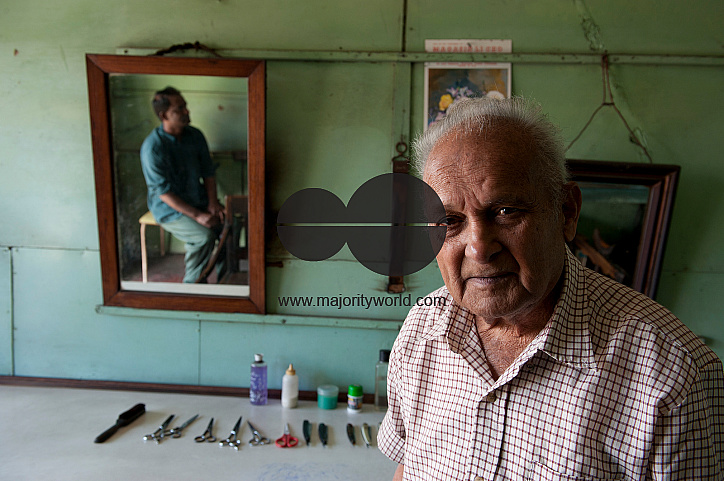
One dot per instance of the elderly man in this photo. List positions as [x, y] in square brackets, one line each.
[537, 368]
[181, 185]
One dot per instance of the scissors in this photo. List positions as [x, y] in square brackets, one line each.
[287, 440]
[232, 441]
[159, 433]
[258, 439]
[176, 432]
[207, 436]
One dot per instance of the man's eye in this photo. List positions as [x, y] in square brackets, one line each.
[448, 221]
[506, 211]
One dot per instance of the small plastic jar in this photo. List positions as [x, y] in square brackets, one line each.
[327, 396]
[354, 398]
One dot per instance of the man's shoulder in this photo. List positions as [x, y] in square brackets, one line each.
[631, 340]
[429, 315]
[153, 141]
[618, 312]
[616, 299]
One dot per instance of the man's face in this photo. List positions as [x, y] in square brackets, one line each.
[177, 116]
[504, 249]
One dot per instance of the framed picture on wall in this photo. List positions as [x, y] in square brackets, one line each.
[448, 82]
[624, 219]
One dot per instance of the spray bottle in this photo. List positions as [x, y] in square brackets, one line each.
[258, 384]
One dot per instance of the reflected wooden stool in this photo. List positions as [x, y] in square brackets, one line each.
[147, 219]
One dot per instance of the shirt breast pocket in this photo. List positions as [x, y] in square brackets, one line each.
[541, 472]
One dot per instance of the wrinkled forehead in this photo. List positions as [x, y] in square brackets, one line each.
[466, 154]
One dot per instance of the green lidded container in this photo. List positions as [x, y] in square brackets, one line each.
[354, 398]
[327, 396]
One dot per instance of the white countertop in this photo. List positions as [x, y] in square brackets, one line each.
[48, 433]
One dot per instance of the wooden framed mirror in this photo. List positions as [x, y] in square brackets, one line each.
[229, 96]
[625, 219]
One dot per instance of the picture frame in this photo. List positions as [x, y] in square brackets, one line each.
[625, 219]
[448, 82]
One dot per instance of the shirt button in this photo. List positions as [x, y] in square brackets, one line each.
[491, 397]
[478, 478]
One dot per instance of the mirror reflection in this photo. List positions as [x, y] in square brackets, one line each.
[181, 182]
[610, 228]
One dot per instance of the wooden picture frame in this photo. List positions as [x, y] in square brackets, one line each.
[99, 68]
[627, 208]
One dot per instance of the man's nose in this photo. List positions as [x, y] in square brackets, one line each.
[482, 243]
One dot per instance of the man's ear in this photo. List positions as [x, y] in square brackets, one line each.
[571, 208]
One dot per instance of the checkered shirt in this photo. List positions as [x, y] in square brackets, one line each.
[613, 388]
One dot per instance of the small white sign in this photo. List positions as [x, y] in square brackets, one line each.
[471, 46]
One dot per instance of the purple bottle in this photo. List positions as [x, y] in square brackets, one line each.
[258, 385]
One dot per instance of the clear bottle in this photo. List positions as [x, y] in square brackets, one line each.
[290, 388]
[258, 383]
[381, 380]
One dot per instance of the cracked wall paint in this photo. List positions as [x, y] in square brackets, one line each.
[590, 29]
[592, 32]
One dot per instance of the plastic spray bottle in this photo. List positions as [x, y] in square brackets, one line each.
[258, 384]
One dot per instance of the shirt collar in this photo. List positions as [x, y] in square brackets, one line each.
[568, 337]
[166, 135]
[453, 322]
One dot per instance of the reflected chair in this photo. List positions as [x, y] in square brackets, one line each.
[148, 219]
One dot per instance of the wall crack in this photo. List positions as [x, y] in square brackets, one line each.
[591, 30]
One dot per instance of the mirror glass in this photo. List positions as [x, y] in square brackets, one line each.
[218, 107]
[143, 264]
[625, 219]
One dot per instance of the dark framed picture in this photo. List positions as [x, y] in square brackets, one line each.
[625, 219]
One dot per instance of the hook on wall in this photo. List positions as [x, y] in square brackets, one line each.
[186, 46]
[608, 101]
[400, 165]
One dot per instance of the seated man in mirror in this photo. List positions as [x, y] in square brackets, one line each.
[181, 185]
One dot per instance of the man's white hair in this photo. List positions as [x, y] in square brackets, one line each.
[473, 115]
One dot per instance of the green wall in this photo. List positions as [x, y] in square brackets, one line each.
[331, 125]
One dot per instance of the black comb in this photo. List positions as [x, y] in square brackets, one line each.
[124, 419]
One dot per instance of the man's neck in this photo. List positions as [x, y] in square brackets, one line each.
[176, 132]
[514, 329]
[503, 344]
[503, 340]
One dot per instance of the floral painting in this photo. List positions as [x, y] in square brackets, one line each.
[446, 83]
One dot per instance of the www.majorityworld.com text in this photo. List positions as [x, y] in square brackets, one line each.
[361, 301]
